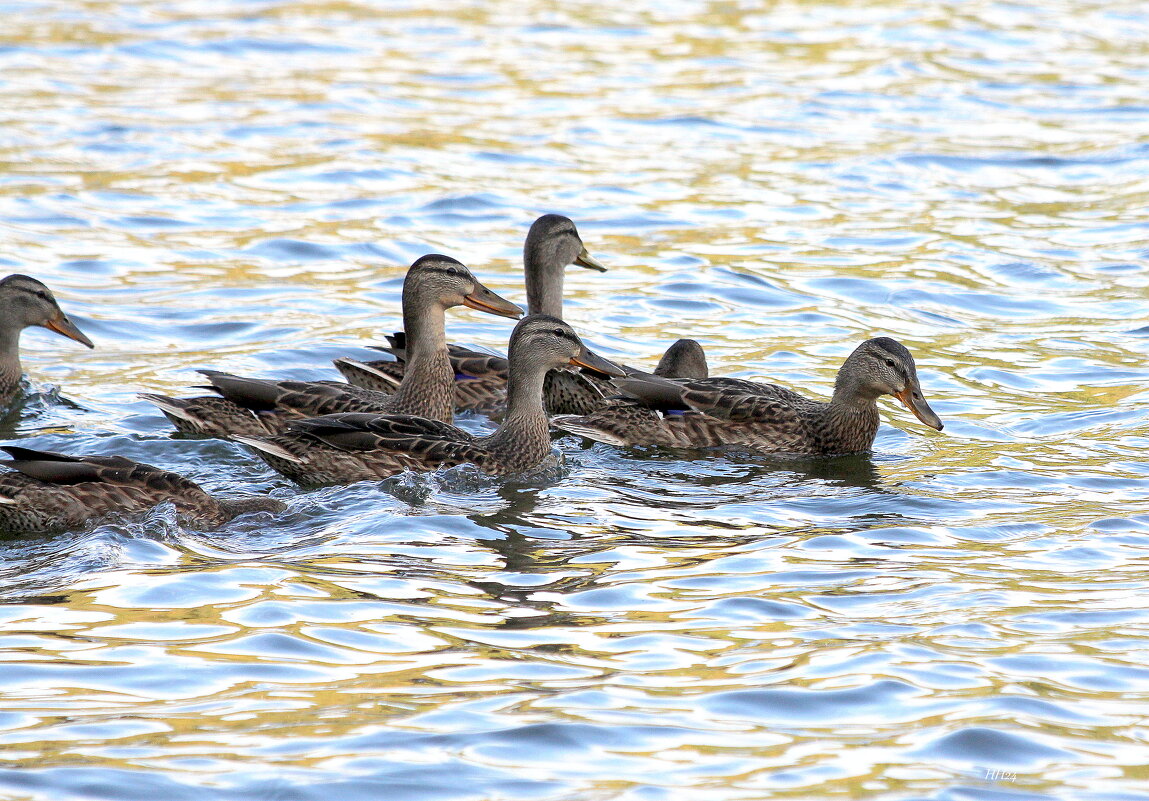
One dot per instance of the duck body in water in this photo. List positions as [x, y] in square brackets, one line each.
[51, 491]
[772, 419]
[342, 448]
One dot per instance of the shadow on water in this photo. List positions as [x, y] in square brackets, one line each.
[546, 530]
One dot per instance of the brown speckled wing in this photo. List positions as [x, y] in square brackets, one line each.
[342, 448]
[742, 401]
[52, 490]
[574, 392]
[208, 416]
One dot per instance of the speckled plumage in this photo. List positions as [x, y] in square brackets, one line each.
[355, 447]
[480, 378]
[256, 406]
[727, 411]
[51, 491]
[581, 392]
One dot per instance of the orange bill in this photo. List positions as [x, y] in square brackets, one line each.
[584, 259]
[65, 327]
[913, 400]
[487, 301]
[592, 361]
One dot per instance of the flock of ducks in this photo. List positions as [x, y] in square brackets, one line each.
[395, 414]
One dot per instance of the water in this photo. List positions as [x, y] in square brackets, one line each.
[240, 186]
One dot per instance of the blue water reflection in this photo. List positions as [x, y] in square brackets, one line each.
[958, 616]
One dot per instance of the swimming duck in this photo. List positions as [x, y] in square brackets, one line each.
[552, 243]
[24, 301]
[342, 448]
[50, 491]
[256, 407]
[730, 411]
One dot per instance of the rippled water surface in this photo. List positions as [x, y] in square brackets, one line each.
[240, 185]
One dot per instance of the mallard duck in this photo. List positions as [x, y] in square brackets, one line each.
[256, 406]
[552, 243]
[51, 491]
[481, 378]
[729, 411]
[342, 448]
[24, 301]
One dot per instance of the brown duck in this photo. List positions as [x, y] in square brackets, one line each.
[24, 302]
[51, 491]
[766, 417]
[255, 406]
[343, 448]
[552, 243]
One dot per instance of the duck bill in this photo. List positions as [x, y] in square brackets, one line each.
[584, 259]
[65, 327]
[484, 300]
[919, 407]
[592, 361]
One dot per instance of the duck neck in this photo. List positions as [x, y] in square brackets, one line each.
[10, 370]
[524, 438]
[850, 420]
[544, 282]
[428, 386]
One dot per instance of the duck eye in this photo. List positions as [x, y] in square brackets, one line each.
[560, 333]
[891, 363]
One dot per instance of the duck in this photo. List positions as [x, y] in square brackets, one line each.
[343, 448]
[25, 302]
[49, 491]
[552, 243]
[711, 412]
[255, 406]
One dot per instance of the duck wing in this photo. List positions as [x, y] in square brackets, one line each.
[697, 414]
[53, 490]
[342, 448]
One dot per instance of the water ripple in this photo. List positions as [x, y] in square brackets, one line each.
[958, 615]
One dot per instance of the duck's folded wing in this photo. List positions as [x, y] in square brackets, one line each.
[302, 398]
[392, 432]
[728, 404]
[740, 401]
[58, 468]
